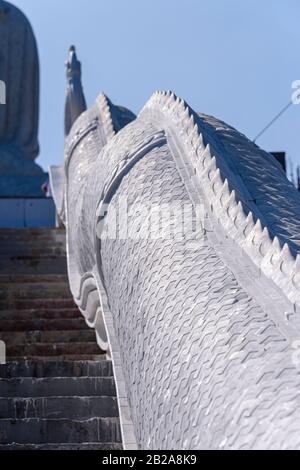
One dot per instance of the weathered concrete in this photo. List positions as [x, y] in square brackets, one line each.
[59, 407]
[44, 431]
[70, 446]
[39, 369]
[57, 386]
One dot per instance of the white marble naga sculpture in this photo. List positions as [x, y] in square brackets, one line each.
[19, 71]
[203, 326]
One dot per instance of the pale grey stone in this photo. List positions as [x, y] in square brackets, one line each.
[200, 341]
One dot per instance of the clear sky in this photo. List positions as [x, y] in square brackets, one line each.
[235, 59]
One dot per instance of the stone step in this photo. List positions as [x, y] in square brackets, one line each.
[41, 240]
[28, 387]
[34, 285]
[21, 304]
[14, 292]
[68, 324]
[51, 349]
[58, 407]
[32, 250]
[33, 265]
[21, 338]
[48, 431]
[29, 234]
[6, 257]
[60, 358]
[40, 369]
[40, 314]
[64, 446]
[33, 278]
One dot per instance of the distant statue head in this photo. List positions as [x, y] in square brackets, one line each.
[19, 72]
[75, 100]
[73, 65]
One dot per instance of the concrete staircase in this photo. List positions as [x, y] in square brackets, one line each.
[57, 389]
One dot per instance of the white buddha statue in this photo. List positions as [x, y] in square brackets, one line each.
[19, 72]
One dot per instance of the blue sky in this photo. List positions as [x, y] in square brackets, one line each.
[230, 58]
